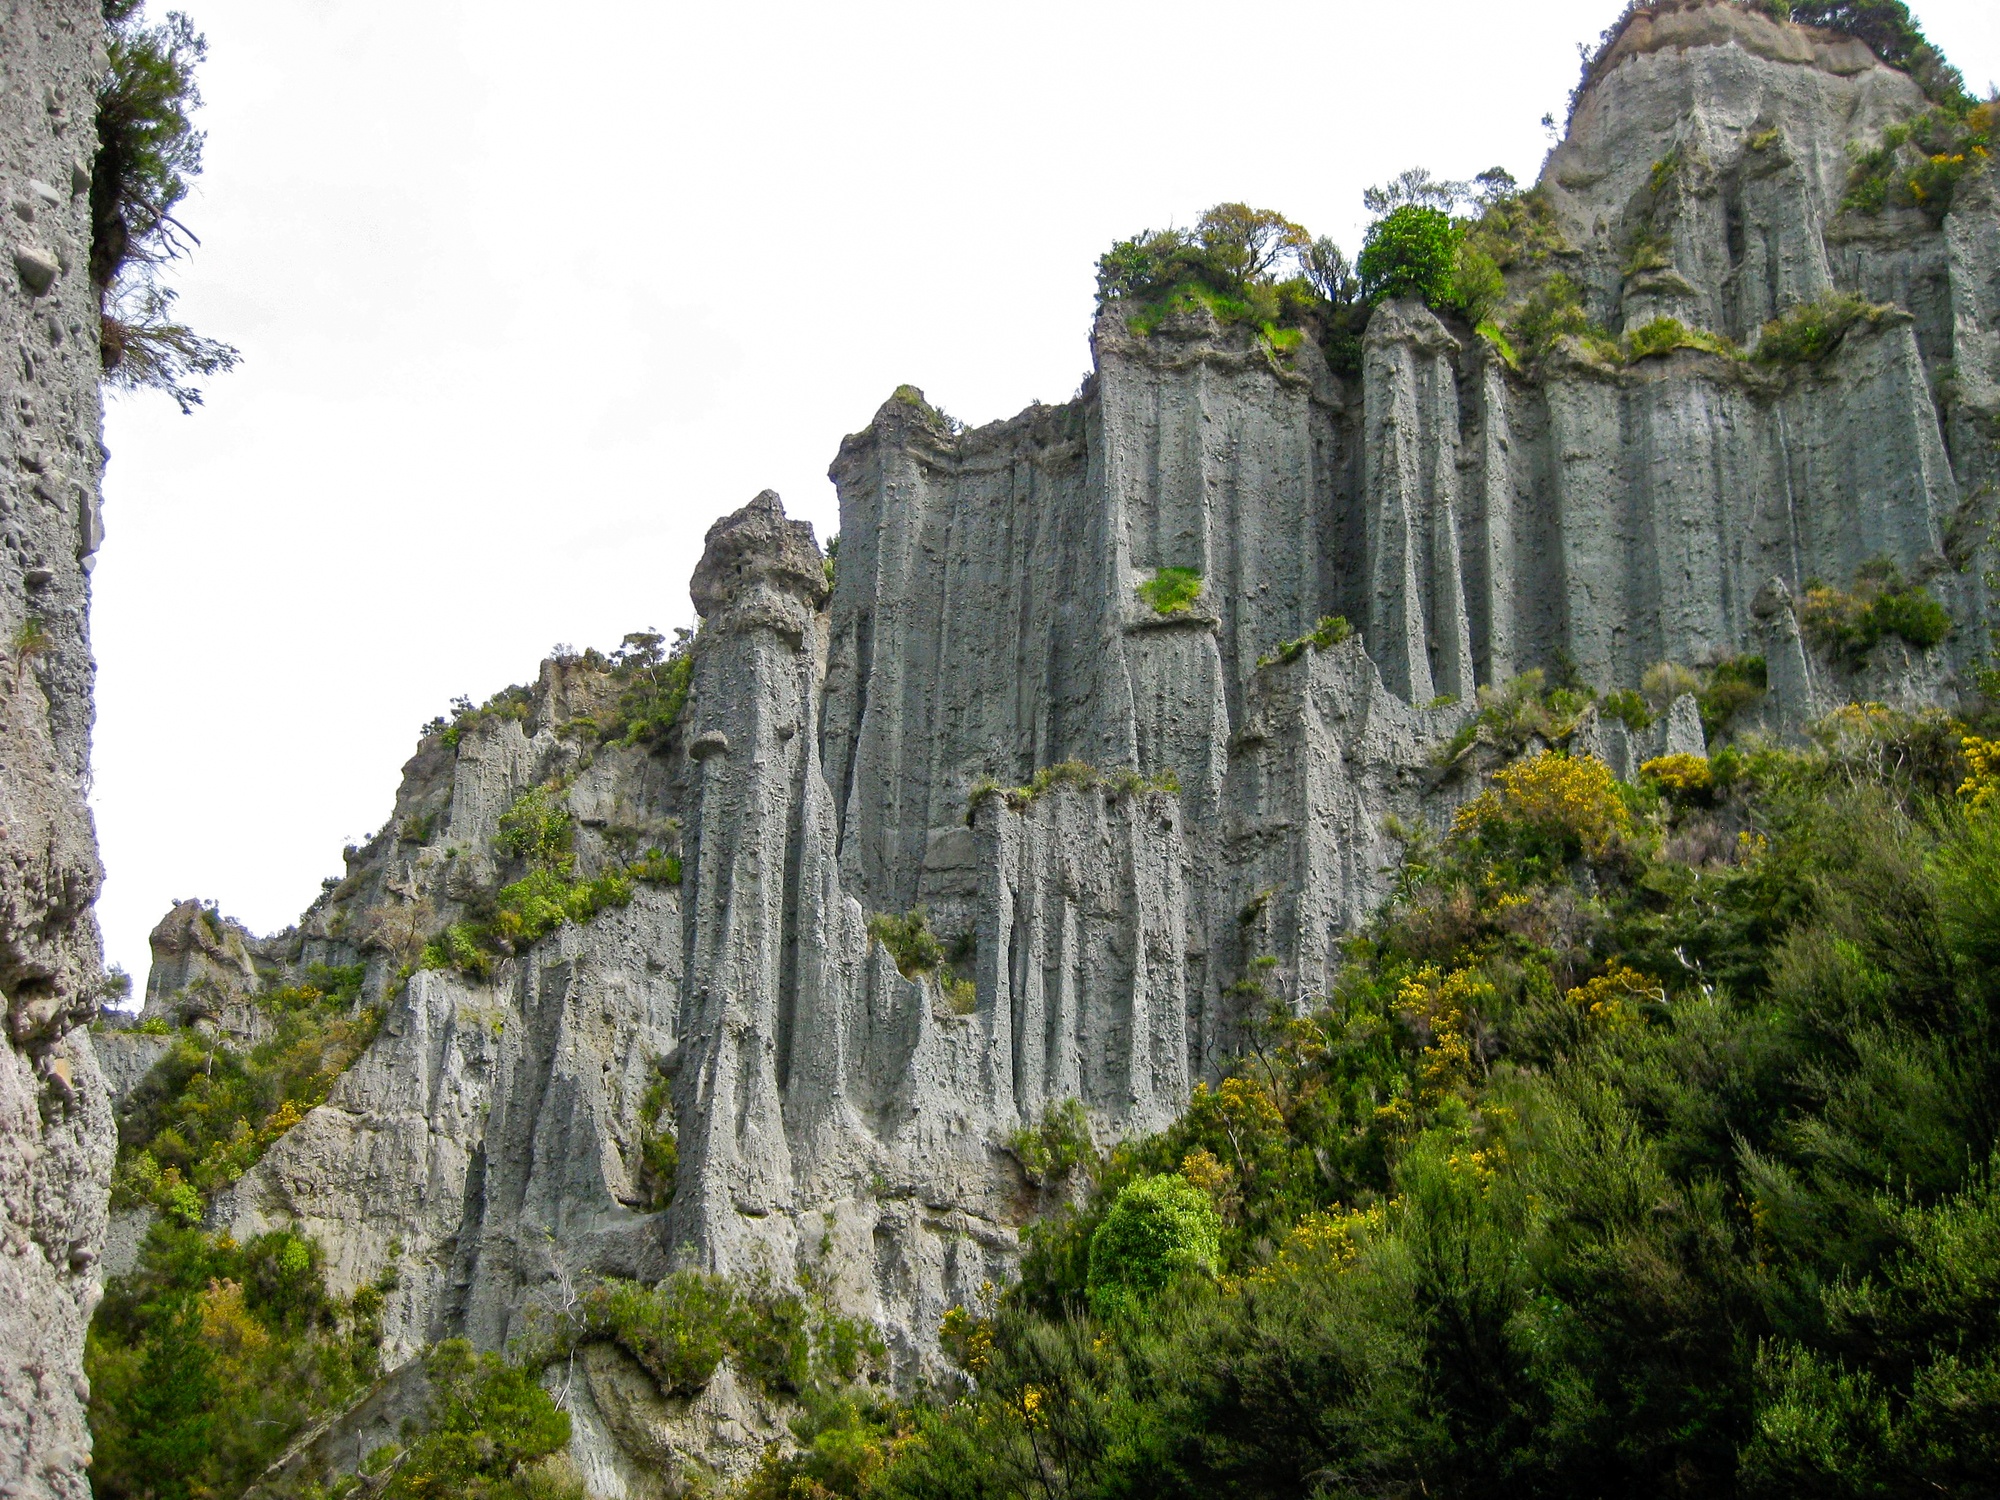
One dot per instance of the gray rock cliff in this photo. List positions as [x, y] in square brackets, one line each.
[56, 1137]
[1129, 827]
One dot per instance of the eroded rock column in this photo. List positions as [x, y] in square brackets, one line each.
[758, 590]
[56, 1138]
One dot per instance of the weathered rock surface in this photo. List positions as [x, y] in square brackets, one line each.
[56, 1137]
[1219, 813]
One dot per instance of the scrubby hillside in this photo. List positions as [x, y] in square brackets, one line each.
[1392, 900]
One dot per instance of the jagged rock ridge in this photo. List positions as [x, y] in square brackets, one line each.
[837, 751]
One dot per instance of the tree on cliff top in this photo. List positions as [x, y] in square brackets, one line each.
[147, 152]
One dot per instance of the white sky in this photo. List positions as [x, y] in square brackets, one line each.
[528, 295]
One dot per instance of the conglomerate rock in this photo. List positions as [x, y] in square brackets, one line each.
[1128, 827]
[56, 1136]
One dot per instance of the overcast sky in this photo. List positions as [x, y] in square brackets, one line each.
[528, 295]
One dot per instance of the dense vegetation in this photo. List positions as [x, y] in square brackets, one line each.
[207, 1111]
[147, 153]
[1647, 1146]
[490, 1432]
[208, 1359]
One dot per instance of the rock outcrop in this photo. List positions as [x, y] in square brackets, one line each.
[56, 1137]
[1129, 826]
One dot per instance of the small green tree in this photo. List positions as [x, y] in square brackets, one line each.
[1158, 1229]
[1412, 251]
[1248, 244]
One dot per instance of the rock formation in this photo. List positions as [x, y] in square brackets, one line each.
[56, 1135]
[1203, 797]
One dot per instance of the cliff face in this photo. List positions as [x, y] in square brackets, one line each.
[56, 1134]
[1210, 815]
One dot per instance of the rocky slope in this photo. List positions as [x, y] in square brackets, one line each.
[56, 1135]
[1197, 817]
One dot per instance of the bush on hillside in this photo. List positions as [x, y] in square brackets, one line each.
[1158, 1230]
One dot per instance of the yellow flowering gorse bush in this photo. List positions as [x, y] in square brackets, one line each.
[1561, 798]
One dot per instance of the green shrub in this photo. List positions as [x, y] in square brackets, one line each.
[1549, 314]
[510, 703]
[656, 867]
[659, 1144]
[1665, 335]
[1058, 1145]
[537, 829]
[921, 955]
[654, 687]
[1732, 686]
[910, 941]
[1920, 163]
[1628, 708]
[1847, 625]
[1158, 1229]
[1516, 229]
[1811, 332]
[1328, 633]
[1172, 591]
[1242, 266]
[1510, 716]
[682, 1329]
[1411, 252]
[1666, 681]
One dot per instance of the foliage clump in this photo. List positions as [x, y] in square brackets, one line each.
[1158, 1230]
[1514, 715]
[1073, 773]
[1418, 248]
[1243, 266]
[659, 1144]
[1848, 624]
[1810, 333]
[910, 941]
[1665, 335]
[1057, 1144]
[147, 153]
[207, 1112]
[919, 954]
[791, 1342]
[212, 1355]
[1328, 633]
[1921, 163]
[514, 703]
[489, 1431]
[1171, 591]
